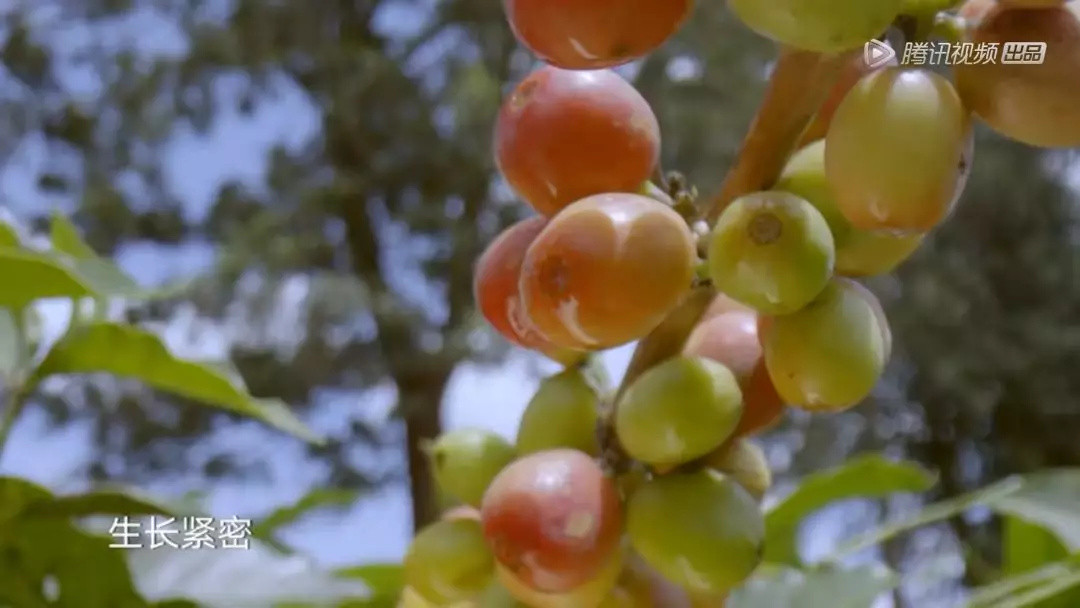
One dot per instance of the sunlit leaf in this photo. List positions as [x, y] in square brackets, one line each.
[30, 276]
[66, 239]
[10, 343]
[131, 352]
[1048, 499]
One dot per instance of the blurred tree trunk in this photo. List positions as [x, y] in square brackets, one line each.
[420, 397]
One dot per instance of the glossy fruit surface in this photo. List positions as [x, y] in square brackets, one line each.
[589, 594]
[823, 25]
[858, 252]
[850, 74]
[678, 411]
[700, 530]
[772, 251]
[722, 304]
[562, 414]
[894, 155]
[563, 135]
[583, 277]
[589, 34]
[495, 285]
[553, 519]
[732, 340]
[1037, 104]
[449, 561]
[466, 460]
[829, 355]
[745, 462]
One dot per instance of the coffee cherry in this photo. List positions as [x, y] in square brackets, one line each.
[564, 135]
[448, 561]
[589, 34]
[700, 530]
[589, 594]
[829, 355]
[745, 462]
[858, 252]
[678, 411]
[553, 519]
[894, 154]
[495, 286]
[562, 414]
[466, 460]
[582, 280]
[731, 339]
[1035, 104]
[772, 251]
[825, 26]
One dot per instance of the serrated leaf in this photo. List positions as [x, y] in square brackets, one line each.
[131, 352]
[318, 498]
[66, 239]
[30, 276]
[256, 577]
[790, 588]
[861, 477]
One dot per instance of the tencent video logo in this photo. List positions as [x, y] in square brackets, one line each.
[877, 54]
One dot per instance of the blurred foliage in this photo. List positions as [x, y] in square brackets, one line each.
[377, 209]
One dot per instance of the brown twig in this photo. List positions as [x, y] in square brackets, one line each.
[799, 84]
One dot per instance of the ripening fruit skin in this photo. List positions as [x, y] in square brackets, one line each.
[563, 135]
[553, 519]
[1038, 105]
[1030, 3]
[677, 411]
[732, 340]
[495, 288]
[745, 462]
[700, 530]
[825, 26]
[772, 251]
[449, 561]
[894, 154]
[651, 590]
[562, 414]
[466, 460]
[583, 280]
[591, 34]
[850, 74]
[829, 356]
[859, 253]
[589, 594]
[724, 304]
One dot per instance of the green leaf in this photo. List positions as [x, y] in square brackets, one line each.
[790, 588]
[131, 352]
[9, 237]
[385, 580]
[66, 239]
[16, 494]
[318, 498]
[257, 577]
[861, 477]
[83, 570]
[30, 276]
[1048, 499]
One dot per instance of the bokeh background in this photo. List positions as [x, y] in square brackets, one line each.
[315, 179]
